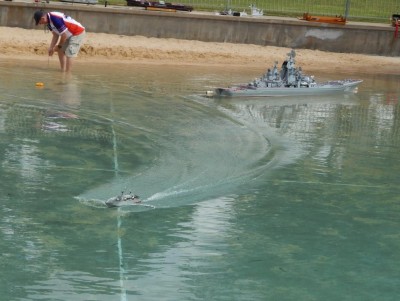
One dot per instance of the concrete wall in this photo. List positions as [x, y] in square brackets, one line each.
[282, 32]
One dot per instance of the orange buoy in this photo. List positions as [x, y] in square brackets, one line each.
[39, 84]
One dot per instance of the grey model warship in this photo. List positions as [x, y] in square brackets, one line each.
[289, 81]
[123, 200]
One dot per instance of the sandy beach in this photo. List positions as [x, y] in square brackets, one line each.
[17, 43]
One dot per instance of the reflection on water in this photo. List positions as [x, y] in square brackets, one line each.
[252, 199]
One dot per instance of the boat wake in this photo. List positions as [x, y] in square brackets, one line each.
[204, 155]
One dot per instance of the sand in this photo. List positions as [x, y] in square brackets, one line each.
[18, 43]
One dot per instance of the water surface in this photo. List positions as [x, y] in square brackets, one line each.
[250, 199]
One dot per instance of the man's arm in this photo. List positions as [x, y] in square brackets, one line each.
[63, 38]
[53, 43]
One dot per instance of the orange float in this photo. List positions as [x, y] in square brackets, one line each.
[324, 19]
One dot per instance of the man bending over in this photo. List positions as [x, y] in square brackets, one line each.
[68, 35]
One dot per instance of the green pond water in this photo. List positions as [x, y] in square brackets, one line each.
[243, 199]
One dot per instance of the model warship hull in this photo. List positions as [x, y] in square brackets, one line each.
[345, 86]
[289, 81]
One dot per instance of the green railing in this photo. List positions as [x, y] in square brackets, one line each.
[358, 10]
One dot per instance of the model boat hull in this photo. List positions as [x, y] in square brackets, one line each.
[345, 86]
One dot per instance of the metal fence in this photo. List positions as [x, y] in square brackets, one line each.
[356, 10]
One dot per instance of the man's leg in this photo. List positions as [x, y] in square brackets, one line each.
[62, 59]
[68, 63]
[73, 46]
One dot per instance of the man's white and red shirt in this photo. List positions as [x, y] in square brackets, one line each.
[60, 23]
